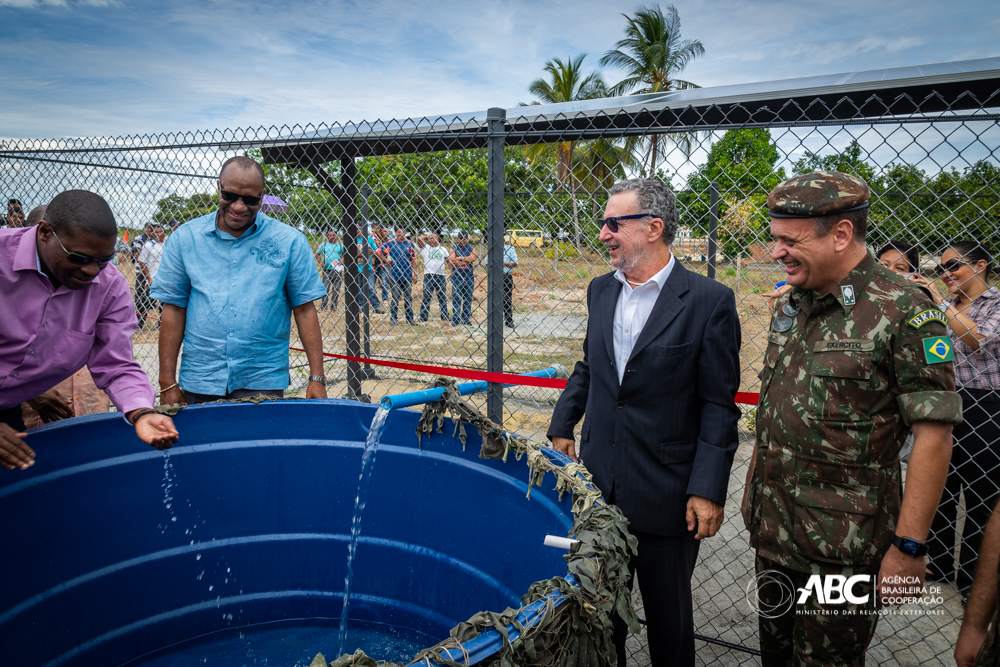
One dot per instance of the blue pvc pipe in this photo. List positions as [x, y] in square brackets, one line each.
[411, 398]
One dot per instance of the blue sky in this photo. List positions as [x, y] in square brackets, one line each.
[114, 67]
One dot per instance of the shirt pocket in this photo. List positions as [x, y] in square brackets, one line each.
[835, 513]
[73, 351]
[840, 385]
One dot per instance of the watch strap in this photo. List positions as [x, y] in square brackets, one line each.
[909, 546]
[318, 378]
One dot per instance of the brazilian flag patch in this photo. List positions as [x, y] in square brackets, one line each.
[938, 350]
[925, 316]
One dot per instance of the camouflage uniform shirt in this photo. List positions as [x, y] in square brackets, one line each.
[844, 376]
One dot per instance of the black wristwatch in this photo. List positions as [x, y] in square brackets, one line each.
[909, 546]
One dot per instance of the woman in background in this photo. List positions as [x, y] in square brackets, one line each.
[972, 307]
[900, 257]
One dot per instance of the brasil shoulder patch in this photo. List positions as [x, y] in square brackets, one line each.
[938, 350]
[925, 316]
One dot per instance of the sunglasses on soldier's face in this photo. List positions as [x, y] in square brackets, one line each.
[950, 266]
[232, 196]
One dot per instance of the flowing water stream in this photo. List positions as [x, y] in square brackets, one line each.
[367, 464]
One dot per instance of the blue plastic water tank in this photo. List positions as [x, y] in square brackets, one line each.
[112, 550]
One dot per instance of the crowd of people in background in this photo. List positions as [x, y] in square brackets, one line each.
[390, 264]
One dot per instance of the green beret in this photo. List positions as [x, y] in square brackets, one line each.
[818, 194]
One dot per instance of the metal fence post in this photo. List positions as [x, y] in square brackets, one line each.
[495, 120]
[349, 200]
[713, 227]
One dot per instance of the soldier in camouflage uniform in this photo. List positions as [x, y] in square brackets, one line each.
[979, 641]
[856, 357]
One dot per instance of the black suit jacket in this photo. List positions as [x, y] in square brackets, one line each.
[668, 430]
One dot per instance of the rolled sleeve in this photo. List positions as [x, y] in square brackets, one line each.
[173, 284]
[303, 283]
[930, 406]
[111, 363]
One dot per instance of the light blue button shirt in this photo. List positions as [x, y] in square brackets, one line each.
[509, 257]
[239, 294]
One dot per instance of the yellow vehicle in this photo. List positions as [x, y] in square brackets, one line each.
[524, 238]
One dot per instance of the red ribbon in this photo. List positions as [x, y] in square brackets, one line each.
[484, 376]
[464, 373]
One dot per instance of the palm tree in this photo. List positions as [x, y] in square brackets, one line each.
[566, 84]
[652, 55]
[600, 163]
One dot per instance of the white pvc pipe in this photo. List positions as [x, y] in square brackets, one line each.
[559, 542]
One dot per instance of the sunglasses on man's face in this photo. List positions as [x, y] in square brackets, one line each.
[613, 223]
[80, 258]
[950, 266]
[232, 196]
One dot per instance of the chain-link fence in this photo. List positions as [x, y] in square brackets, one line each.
[526, 187]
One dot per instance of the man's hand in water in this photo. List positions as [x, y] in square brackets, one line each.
[14, 452]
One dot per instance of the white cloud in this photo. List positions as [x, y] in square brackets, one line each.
[220, 64]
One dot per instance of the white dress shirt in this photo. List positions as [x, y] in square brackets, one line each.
[632, 311]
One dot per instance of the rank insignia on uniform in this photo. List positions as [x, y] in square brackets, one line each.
[938, 350]
[925, 316]
[782, 324]
[790, 310]
[848, 293]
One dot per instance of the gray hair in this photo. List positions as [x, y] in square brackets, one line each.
[655, 198]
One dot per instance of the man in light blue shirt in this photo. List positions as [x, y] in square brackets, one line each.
[329, 254]
[230, 282]
[370, 290]
[509, 264]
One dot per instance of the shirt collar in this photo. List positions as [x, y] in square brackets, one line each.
[258, 222]
[660, 277]
[26, 256]
[990, 294]
[858, 279]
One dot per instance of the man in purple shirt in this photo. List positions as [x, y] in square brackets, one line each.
[63, 308]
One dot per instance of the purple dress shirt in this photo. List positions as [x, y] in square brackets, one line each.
[47, 334]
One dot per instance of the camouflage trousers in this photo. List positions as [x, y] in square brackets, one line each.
[811, 633]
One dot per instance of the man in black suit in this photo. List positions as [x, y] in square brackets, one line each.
[658, 385]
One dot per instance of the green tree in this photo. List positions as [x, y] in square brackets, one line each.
[653, 54]
[566, 83]
[176, 208]
[848, 161]
[742, 163]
